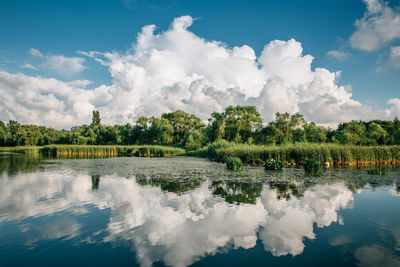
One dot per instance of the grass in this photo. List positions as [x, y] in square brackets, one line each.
[113, 151]
[312, 167]
[234, 164]
[334, 154]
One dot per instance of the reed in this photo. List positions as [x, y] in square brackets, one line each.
[21, 149]
[234, 164]
[113, 151]
[329, 154]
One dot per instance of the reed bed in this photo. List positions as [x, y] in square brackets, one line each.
[21, 149]
[113, 151]
[328, 154]
[96, 151]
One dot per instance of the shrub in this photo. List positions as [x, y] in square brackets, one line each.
[312, 166]
[234, 164]
[273, 165]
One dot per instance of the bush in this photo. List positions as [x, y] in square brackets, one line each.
[312, 166]
[273, 165]
[234, 164]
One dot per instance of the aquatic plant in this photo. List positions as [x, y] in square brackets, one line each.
[234, 164]
[273, 165]
[312, 166]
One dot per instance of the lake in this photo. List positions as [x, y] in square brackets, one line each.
[183, 211]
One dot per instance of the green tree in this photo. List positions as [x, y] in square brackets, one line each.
[354, 132]
[96, 118]
[182, 123]
[287, 123]
[161, 132]
[216, 127]
[314, 134]
[194, 140]
[376, 133]
[241, 123]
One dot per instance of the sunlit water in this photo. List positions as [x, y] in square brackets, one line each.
[188, 211]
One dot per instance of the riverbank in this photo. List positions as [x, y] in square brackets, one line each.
[295, 154]
[252, 155]
[87, 150]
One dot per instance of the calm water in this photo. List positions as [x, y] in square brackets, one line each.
[188, 211]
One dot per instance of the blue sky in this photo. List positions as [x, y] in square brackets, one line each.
[65, 27]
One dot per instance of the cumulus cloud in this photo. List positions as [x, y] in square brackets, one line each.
[395, 103]
[395, 56]
[379, 26]
[340, 55]
[28, 66]
[176, 69]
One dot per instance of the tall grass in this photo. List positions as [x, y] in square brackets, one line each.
[22, 149]
[112, 151]
[333, 154]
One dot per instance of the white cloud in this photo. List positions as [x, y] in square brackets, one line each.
[35, 52]
[395, 105]
[379, 26]
[395, 56]
[340, 55]
[58, 63]
[65, 65]
[176, 69]
[28, 66]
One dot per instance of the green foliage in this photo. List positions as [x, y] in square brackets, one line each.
[312, 166]
[236, 125]
[273, 165]
[234, 164]
[194, 140]
[182, 123]
[335, 154]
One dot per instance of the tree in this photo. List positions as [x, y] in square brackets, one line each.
[161, 132]
[376, 133]
[314, 134]
[96, 118]
[287, 123]
[182, 123]
[216, 127]
[269, 135]
[241, 123]
[354, 132]
[194, 140]
[13, 129]
[3, 133]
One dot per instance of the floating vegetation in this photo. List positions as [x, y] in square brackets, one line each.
[312, 167]
[273, 165]
[234, 164]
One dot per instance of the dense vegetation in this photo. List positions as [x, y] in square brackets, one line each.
[334, 154]
[239, 125]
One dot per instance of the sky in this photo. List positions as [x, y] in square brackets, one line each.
[332, 61]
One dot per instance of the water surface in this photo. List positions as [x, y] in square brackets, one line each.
[187, 211]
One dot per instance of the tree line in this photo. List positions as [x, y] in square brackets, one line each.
[237, 124]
